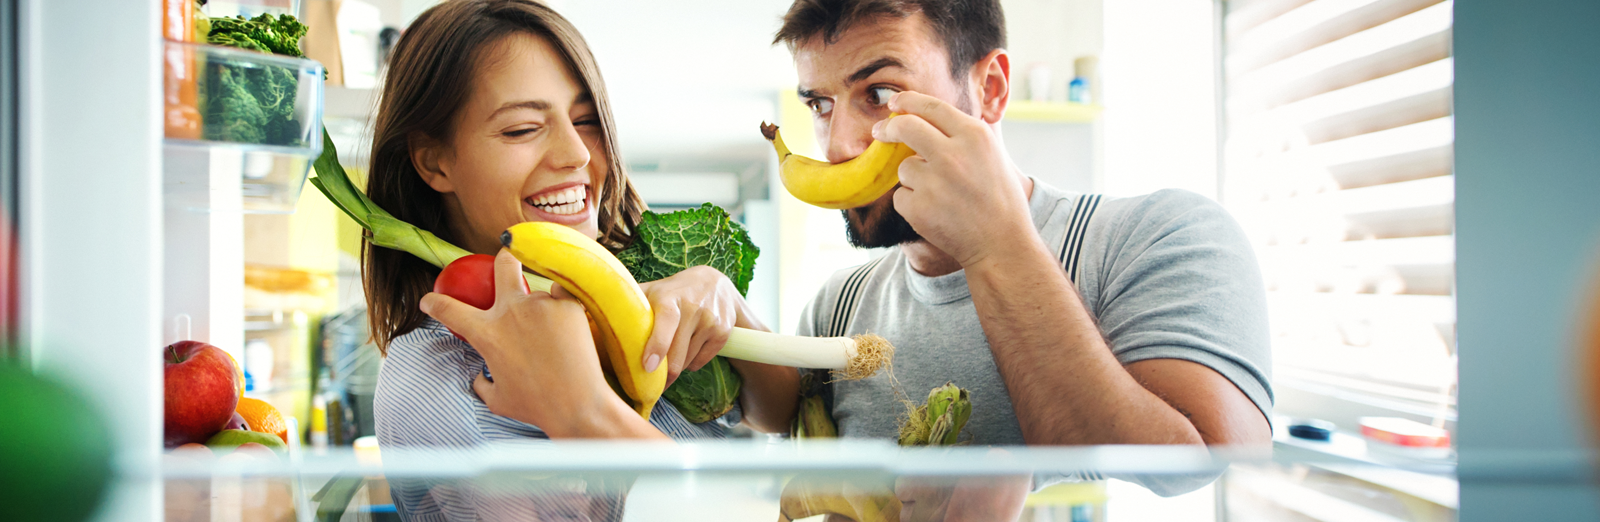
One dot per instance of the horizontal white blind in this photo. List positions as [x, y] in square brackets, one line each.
[1337, 162]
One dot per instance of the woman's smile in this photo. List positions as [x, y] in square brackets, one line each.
[567, 204]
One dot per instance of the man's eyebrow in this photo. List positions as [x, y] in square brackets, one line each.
[538, 105]
[806, 94]
[866, 72]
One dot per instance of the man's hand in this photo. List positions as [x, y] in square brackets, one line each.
[959, 191]
[695, 310]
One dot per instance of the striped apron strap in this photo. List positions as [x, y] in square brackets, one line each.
[1077, 227]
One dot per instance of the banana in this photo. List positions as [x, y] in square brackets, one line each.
[861, 500]
[619, 309]
[851, 184]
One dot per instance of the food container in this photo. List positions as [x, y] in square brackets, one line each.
[260, 121]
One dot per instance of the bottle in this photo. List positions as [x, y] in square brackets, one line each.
[1078, 91]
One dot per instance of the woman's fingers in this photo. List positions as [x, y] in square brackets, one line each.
[559, 292]
[458, 316]
[485, 390]
[660, 342]
[678, 354]
[508, 279]
[708, 340]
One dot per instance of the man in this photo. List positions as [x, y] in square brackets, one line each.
[1073, 319]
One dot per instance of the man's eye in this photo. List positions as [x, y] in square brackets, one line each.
[820, 106]
[880, 95]
[519, 132]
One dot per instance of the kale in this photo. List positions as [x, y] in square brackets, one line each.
[665, 244]
[266, 33]
[253, 103]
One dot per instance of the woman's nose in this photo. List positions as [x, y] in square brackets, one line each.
[568, 151]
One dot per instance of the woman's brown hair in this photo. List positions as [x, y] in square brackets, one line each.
[429, 79]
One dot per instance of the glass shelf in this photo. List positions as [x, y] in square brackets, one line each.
[756, 479]
[232, 114]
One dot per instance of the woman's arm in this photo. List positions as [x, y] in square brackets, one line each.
[695, 310]
[543, 357]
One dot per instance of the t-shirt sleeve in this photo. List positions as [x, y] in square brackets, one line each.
[1180, 281]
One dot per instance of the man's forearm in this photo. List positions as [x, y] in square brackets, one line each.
[769, 395]
[1066, 387]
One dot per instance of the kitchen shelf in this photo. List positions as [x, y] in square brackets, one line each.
[248, 116]
[1057, 112]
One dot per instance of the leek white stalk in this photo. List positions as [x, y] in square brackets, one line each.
[850, 358]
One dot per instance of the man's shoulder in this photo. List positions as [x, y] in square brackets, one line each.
[1161, 213]
[1161, 204]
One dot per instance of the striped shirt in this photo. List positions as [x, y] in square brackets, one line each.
[425, 400]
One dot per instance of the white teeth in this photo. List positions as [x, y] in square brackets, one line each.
[568, 201]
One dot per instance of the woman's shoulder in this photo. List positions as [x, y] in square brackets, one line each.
[424, 393]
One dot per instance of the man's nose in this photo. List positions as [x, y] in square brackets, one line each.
[848, 136]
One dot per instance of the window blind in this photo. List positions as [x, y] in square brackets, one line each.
[1337, 162]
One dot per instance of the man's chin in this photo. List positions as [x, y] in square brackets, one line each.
[878, 225]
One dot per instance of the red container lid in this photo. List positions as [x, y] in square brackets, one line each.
[1404, 432]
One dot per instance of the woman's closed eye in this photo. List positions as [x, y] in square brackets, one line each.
[518, 133]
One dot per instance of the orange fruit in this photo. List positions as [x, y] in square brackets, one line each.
[262, 417]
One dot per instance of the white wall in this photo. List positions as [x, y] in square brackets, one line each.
[1158, 73]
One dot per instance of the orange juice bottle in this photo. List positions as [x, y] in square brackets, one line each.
[181, 88]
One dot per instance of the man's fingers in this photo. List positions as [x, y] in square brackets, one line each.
[947, 118]
[912, 130]
[508, 276]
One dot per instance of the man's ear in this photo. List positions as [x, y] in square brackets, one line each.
[431, 159]
[992, 75]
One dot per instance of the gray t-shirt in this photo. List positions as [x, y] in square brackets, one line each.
[1168, 275]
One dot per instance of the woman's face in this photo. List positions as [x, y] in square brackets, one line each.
[527, 146]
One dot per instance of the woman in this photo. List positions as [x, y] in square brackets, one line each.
[493, 113]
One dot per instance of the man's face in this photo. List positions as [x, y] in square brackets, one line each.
[847, 85]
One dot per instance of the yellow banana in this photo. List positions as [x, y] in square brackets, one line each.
[862, 500]
[850, 184]
[619, 309]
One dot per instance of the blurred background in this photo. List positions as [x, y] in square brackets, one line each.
[1329, 129]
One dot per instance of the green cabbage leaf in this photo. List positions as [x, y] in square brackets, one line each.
[668, 243]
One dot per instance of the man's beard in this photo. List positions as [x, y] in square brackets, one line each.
[878, 225]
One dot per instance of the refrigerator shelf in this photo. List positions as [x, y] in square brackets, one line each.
[240, 115]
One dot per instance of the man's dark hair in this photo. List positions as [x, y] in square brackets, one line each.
[970, 28]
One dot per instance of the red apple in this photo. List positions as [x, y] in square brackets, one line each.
[202, 390]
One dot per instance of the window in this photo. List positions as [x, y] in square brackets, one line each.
[1337, 161]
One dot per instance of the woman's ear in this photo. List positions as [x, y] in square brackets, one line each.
[431, 160]
[992, 74]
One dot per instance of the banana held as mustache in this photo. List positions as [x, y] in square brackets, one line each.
[850, 184]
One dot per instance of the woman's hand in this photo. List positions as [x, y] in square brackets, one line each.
[543, 357]
[695, 310]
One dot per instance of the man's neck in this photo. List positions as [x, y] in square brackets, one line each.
[929, 261]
